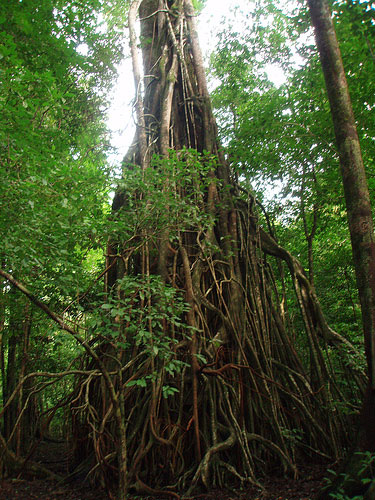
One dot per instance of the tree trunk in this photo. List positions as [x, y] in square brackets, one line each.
[357, 197]
[12, 371]
[241, 389]
[23, 433]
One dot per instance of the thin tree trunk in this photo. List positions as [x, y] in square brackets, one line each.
[2, 348]
[14, 336]
[356, 196]
[23, 432]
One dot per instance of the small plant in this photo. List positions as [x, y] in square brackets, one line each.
[145, 313]
[363, 475]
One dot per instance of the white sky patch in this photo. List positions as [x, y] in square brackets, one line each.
[83, 49]
[275, 74]
[212, 20]
[120, 115]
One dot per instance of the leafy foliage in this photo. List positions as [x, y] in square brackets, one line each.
[147, 313]
[52, 138]
[57, 61]
[280, 139]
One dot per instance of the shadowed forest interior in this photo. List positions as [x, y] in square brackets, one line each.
[201, 314]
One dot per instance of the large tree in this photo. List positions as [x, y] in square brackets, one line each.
[218, 391]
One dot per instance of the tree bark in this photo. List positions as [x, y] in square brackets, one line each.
[357, 196]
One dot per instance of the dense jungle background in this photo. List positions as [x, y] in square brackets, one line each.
[187, 319]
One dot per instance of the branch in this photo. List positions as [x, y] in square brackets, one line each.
[60, 321]
[15, 464]
[47, 375]
[270, 246]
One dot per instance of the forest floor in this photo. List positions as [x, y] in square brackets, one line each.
[305, 487]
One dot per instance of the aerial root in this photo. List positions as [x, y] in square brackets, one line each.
[144, 488]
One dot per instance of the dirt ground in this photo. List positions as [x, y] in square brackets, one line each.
[305, 488]
[53, 456]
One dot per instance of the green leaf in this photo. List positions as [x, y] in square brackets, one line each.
[140, 382]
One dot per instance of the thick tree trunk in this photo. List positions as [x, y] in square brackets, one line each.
[357, 198]
[246, 389]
